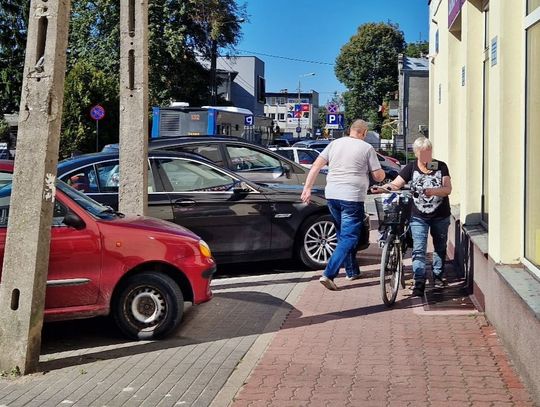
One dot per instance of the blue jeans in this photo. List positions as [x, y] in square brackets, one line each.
[348, 218]
[438, 229]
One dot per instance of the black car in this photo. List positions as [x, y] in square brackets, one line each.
[240, 220]
[249, 160]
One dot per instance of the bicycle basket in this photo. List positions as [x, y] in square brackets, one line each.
[394, 213]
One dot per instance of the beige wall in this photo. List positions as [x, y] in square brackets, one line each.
[457, 121]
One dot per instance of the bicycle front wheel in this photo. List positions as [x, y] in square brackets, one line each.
[391, 270]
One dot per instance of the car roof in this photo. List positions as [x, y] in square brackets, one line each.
[87, 159]
[167, 141]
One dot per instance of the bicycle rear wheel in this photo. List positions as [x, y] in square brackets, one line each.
[391, 270]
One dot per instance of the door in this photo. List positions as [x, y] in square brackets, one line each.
[203, 200]
[74, 260]
[74, 263]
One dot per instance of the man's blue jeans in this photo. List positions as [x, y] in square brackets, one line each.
[348, 218]
[438, 229]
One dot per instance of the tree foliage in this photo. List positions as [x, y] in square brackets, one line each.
[13, 26]
[86, 87]
[181, 32]
[417, 49]
[367, 66]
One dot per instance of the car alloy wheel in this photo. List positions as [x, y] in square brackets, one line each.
[319, 240]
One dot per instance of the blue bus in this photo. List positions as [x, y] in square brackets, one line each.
[211, 121]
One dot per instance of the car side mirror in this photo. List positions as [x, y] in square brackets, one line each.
[241, 187]
[73, 220]
[287, 170]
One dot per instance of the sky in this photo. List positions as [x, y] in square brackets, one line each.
[315, 30]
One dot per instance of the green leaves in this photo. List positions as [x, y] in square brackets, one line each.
[180, 35]
[367, 65]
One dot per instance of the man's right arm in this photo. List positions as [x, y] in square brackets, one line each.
[310, 180]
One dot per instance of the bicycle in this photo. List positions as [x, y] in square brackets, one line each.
[393, 211]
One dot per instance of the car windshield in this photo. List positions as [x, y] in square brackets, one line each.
[88, 204]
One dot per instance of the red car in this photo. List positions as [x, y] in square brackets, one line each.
[139, 269]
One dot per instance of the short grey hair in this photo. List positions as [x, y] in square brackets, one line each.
[422, 143]
[359, 125]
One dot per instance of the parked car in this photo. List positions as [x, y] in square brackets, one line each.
[391, 169]
[241, 220]
[251, 161]
[280, 142]
[318, 145]
[303, 156]
[140, 270]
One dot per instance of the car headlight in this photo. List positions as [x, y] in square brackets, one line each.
[205, 249]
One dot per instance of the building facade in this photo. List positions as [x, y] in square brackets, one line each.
[293, 111]
[242, 82]
[485, 123]
[413, 116]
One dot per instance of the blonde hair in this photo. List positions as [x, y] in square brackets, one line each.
[422, 143]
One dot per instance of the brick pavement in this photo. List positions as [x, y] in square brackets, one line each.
[344, 348]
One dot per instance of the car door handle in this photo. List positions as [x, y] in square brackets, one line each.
[184, 202]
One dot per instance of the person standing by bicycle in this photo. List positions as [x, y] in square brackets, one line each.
[431, 184]
[350, 161]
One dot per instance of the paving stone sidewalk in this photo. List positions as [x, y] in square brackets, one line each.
[344, 348]
[85, 363]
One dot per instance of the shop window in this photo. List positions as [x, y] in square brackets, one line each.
[532, 164]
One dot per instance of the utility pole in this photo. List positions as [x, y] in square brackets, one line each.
[133, 188]
[299, 97]
[213, 73]
[26, 258]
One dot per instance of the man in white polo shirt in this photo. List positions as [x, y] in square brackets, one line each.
[350, 161]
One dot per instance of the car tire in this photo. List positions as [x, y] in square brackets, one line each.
[317, 241]
[148, 305]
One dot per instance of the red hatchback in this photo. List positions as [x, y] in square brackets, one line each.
[139, 269]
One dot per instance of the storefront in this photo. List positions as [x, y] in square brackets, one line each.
[485, 123]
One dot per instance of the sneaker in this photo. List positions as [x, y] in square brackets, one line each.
[439, 281]
[328, 283]
[418, 290]
[351, 278]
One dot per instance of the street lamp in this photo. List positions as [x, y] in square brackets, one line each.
[299, 96]
[213, 63]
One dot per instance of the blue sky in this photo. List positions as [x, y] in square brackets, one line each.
[315, 30]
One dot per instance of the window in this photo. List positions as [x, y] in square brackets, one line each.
[306, 157]
[485, 130]
[84, 179]
[211, 152]
[532, 166]
[59, 212]
[281, 117]
[286, 153]
[191, 176]
[532, 5]
[248, 159]
[108, 175]
[261, 89]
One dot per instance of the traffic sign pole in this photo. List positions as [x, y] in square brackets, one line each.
[97, 113]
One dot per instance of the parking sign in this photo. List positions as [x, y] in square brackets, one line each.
[248, 120]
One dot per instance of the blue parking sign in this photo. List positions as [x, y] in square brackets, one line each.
[248, 120]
